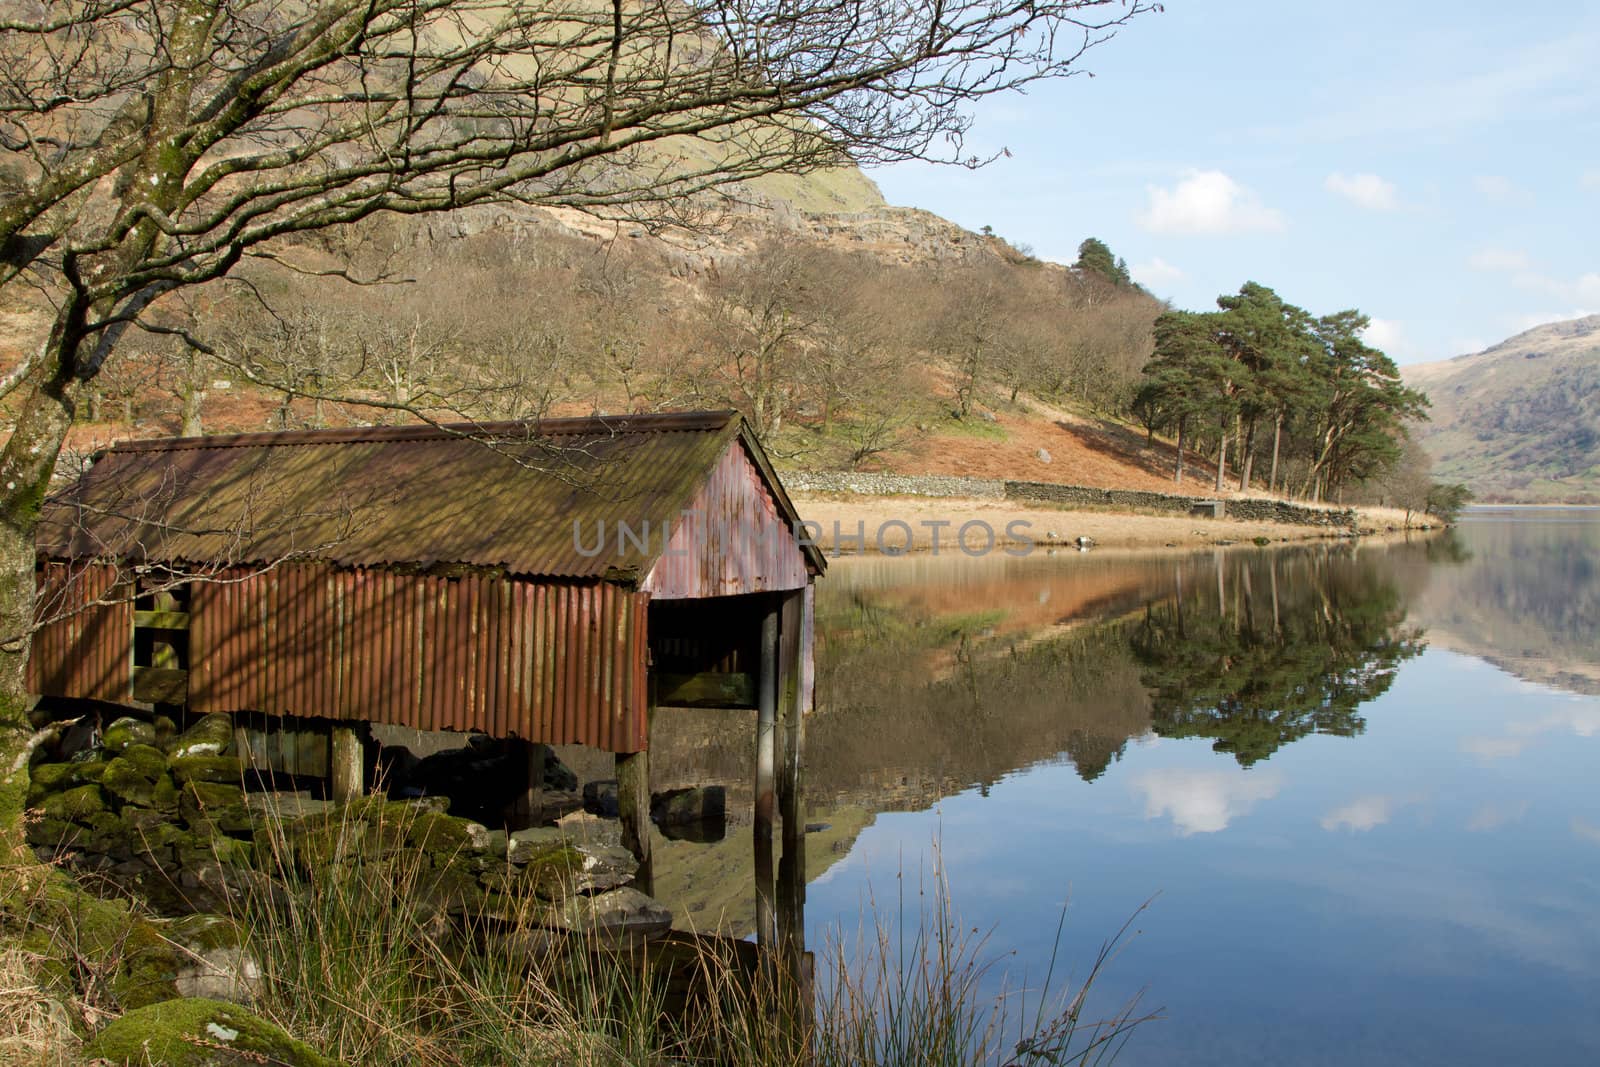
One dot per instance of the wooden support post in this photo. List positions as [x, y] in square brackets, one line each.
[529, 807]
[633, 801]
[793, 647]
[766, 758]
[347, 763]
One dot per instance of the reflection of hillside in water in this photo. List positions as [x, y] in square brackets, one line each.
[1526, 596]
[937, 676]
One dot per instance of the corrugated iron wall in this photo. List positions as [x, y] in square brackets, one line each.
[83, 647]
[734, 542]
[562, 663]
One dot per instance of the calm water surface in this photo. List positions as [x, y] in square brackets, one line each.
[1359, 783]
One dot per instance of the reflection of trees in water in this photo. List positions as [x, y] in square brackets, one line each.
[1271, 648]
[917, 705]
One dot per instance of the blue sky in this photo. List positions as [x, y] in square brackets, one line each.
[1436, 165]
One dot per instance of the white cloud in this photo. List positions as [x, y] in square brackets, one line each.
[1208, 202]
[1586, 831]
[1203, 802]
[1496, 187]
[1499, 259]
[1360, 815]
[1384, 334]
[1156, 272]
[1590, 180]
[1364, 190]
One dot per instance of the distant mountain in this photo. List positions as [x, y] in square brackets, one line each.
[1519, 421]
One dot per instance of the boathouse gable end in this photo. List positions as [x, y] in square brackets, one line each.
[431, 577]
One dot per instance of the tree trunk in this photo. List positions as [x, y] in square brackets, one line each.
[1248, 456]
[1222, 454]
[1277, 436]
[1179, 476]
[26, 464]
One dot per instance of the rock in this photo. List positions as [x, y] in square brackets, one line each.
[285, 806]
[148, 760]
[224, 769]
[196, 1032]
[195, 956]
[127, 731]
[75, 804]
[620, 914]
[446, 835]
[215, 963]
[1043, 455]
[589, 867]
[676, 807]
[988, 416]
[212, 735]
[47, 778]
[600, 798]
[584, 827]
[201, 801]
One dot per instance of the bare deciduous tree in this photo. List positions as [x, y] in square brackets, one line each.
[152, 145]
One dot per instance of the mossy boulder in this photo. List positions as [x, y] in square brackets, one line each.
[196, 1032]
[227, 770]
[139, 777]
[127, 731]
[47, 778]
[75, 804]
[211, 735]
[446, 835]
[208, 800]
[195, 956]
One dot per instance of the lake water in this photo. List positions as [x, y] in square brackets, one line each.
[1357, 782]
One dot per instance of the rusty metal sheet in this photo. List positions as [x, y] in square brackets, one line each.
[433, 653]
[83, 646]
[732, 538]
[526, 498]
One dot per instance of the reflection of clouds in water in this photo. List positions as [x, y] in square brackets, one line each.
[1582, 720]
[1488, 748]
[1494, 816]
[1361, 814]
[1203, 802]
[1586, 831]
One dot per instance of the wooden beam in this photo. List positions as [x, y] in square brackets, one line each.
[766, 744]
[348, 763]
[708, 689]
[160, 685]
[161, 620]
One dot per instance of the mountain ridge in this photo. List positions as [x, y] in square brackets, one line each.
[1519, 422]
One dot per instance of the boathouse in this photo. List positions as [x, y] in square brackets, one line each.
[548, 581]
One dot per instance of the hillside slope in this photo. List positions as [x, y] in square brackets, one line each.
[1520, 421]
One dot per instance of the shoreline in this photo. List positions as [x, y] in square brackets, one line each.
[860, 525]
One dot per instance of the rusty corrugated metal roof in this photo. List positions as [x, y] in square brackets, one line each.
[506, 496]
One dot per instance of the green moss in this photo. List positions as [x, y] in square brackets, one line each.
[199, 1033]
[49, 778]
[132, 779]
[148, 760]
[127, 731]
[212, 735]
[217, 769]
[439, 834]
[551, 872]
[74, 805]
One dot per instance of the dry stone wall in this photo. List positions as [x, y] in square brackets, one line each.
[1245, 508]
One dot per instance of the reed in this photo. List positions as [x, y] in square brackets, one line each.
[355, 961]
